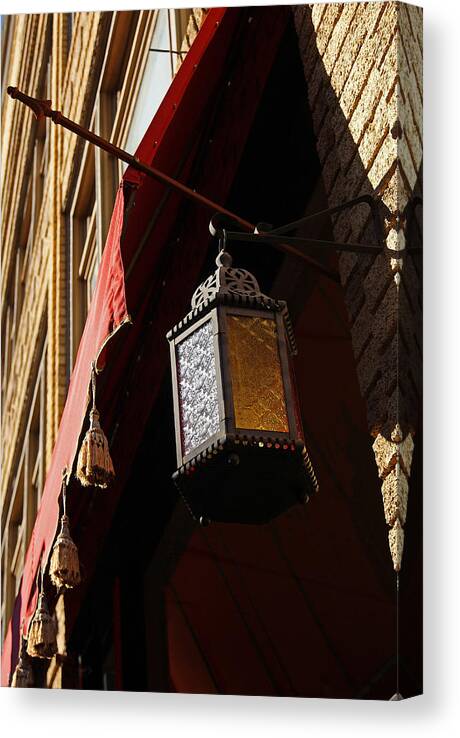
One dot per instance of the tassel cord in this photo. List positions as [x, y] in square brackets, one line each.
[93, 384]
[94, 466]
[64, 492]
[64, 564]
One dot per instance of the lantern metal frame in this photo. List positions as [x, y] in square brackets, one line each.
[217, 314]
[216, 306]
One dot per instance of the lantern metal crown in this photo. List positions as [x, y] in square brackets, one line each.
[240, 450]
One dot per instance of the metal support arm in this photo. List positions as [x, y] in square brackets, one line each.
[225, 219]
[266, 234]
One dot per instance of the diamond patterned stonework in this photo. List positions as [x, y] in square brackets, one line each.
[396, 543]
[363, 65]
[394, 460]
[388, 453]
[395, 490]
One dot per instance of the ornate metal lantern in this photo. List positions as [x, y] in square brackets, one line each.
[240, 451]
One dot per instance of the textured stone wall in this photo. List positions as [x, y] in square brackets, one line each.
[196, 19]
[27, 68]
[44, 309]
[363, 66]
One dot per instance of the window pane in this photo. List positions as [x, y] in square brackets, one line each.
[155, 82]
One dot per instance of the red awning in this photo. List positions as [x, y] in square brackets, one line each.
[108, 312]
[131, 275]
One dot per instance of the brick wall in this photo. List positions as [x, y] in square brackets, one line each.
[363, 66]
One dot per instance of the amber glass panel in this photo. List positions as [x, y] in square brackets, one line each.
[257, 383]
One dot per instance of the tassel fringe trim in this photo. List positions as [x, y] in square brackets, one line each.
[41, 640]
[95, 467]
[64, 564]
[23, 676]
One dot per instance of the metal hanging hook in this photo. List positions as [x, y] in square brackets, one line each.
[224, 258]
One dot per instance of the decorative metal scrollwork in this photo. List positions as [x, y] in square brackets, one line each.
[226, 280]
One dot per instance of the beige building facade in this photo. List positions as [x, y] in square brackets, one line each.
[108, 71]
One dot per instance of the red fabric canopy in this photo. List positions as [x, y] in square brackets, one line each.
[109, 309]
[107, 313]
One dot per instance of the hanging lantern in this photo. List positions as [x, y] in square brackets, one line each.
[240, 451]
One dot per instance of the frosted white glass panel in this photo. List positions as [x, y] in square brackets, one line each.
[197, 383]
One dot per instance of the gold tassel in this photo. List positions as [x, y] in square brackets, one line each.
[94, 466]
[23, 675]
[41, 640]
[64, 565]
